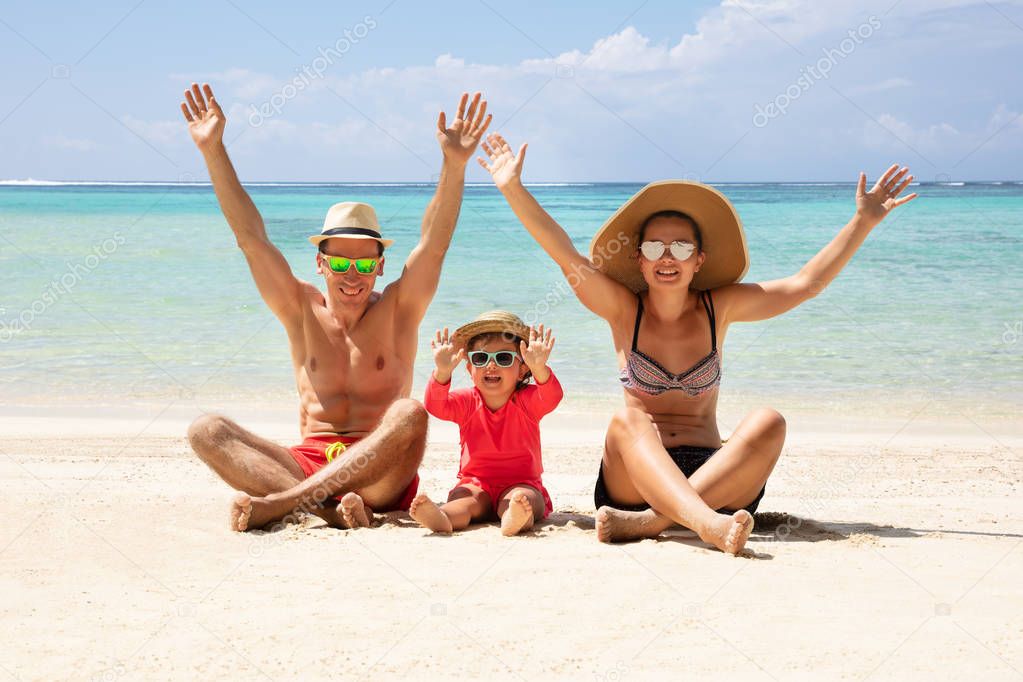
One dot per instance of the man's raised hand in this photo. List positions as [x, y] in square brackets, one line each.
[205, 117]
[459, 141]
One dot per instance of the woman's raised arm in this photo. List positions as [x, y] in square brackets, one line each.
[595, 290]
[763, 300]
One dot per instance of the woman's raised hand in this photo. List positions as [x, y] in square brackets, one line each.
[205, 118]
[874, 205]
[505, 167]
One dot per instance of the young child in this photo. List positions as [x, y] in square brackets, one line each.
[498, 422]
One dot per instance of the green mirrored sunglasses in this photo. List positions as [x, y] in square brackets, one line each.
[364, 266]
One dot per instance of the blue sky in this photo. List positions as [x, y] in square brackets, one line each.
[782, 90]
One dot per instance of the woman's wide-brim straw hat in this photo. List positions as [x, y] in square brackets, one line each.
[351, 220]
[613, 249]
[493, 321]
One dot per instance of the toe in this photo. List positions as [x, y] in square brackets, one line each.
[241, 509]
[417, 501]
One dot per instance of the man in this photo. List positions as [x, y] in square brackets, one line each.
[352, 348]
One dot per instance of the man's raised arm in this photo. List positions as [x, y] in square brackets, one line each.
[419, 279]
[274, 279]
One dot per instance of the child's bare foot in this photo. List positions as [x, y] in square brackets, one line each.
[429, 515]
[616, 525]
[729, 533]
[518, 516]
[354, 512]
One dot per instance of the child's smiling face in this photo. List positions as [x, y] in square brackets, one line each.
[495, 382]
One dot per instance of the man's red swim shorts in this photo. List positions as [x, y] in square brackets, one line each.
[316, 451]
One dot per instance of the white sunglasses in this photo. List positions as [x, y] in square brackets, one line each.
[679, 250]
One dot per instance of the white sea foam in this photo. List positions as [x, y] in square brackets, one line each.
[31, 182]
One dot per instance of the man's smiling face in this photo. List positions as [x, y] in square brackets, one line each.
[351, 287]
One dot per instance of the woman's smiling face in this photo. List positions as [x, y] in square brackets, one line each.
[667, 271]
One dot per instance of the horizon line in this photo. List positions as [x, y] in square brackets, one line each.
[33, 182]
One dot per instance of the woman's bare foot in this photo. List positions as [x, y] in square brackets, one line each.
[729, 533]
[250, 513]
[616, 525]
[354, 512]
[518, 516]
[429, 515]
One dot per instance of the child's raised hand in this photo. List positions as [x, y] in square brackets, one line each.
[445, 355]
[537, 351]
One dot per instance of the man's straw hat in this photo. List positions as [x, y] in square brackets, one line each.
[352, 220]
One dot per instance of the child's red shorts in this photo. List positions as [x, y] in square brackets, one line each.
[495, 489]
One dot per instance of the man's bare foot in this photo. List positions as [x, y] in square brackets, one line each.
[250, 513]
[518, 516]
[354, 512]
[729, 533]
[616, 525]
[241, 509]
[429, 515]
[330, 513]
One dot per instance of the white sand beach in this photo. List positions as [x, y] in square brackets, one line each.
[901, 560]
[285, 211]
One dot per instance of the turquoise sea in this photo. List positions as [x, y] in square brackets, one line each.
[137, 292]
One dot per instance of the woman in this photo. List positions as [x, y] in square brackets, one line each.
[664, 274]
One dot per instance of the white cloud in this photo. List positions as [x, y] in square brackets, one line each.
[158, 133]
[881, 86]
[71, 143]
[944, 140]
[724, 32]
[629, 106]
[446, 61]
[1003, 117]
[626, 51]
[927, 136]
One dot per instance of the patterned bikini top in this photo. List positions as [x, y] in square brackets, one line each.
[643, 373]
